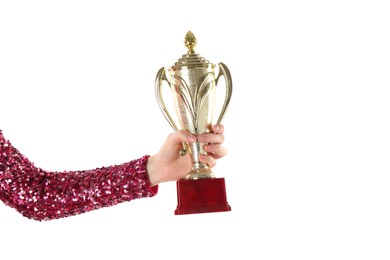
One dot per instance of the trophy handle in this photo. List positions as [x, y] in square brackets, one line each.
[161, 76]
[224, 71]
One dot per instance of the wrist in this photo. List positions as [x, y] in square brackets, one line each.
[152, 171]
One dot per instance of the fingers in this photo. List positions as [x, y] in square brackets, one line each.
[216, 137]
[212, 143]
[218, 129]
[216, 151]
[211, 161]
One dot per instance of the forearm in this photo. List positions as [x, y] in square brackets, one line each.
[43, 195]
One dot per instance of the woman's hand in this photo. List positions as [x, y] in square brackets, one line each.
[169, 165]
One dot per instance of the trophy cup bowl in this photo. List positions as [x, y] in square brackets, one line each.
[193, 81]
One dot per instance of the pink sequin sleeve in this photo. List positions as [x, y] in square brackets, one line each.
[43, 195]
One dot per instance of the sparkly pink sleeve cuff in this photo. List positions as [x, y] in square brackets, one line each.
[43, 195]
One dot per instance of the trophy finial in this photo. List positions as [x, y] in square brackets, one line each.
[190, 42]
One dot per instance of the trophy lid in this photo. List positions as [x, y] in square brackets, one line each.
[191, 59]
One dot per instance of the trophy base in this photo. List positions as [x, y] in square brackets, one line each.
[201, 196]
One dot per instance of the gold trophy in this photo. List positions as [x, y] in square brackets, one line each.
[193, 81]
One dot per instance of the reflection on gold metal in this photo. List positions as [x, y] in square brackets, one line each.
[193, 81]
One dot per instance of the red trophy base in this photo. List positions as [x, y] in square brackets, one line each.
[201, 196]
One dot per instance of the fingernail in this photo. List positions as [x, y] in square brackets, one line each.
[191, 138]
[217, 127]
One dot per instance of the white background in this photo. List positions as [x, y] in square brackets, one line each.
[307, 130]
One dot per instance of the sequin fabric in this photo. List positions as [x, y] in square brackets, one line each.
[44, 195]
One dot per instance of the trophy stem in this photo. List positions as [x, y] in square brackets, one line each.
[200, 170]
